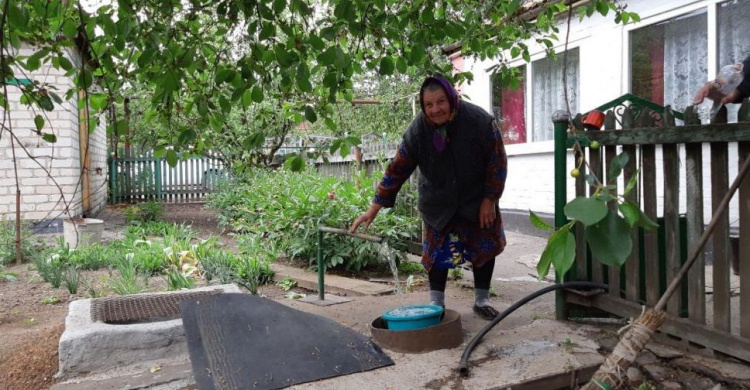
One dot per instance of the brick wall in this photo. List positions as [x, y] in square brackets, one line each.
[48, 173]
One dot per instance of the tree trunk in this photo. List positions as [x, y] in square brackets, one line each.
[19, 251]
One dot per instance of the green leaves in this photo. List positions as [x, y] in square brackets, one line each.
[98, 101]
[171, 158]
[587, 210]
[609, 240]
[39, 122]
[310, 114]
[257, 94]
[538, 222]
[560, 252]
[616, 166]
[49, 137]
[386, 66]
[295, 163]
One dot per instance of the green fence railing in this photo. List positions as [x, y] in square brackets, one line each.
[138, 179]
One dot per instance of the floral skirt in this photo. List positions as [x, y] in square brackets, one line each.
[461, 241]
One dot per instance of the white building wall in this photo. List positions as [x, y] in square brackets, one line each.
[604, 76]
[48, 173]
[98, 167]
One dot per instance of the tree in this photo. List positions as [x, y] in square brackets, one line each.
[216, 56]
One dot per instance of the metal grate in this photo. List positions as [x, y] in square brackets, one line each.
[142, 308]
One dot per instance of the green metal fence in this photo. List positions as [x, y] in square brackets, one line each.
[138, 179]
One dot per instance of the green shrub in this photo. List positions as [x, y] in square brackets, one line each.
[218, 265]
[176, 280]
[91, 257]
[170, 231]
[51, 269]
[129, 280]
[253, 273]
[144, 212]
[287, 284]
[32, 248]
[71, 279]
[6, 276]
[410, 268]
[149, 257]
[283, 210]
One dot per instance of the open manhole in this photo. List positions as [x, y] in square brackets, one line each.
[446, 334]
[136, 309]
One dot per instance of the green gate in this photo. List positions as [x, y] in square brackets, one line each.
[668, 159]
[139, 179]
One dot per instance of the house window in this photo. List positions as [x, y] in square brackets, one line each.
[508, 104]
[548, 91]
[668, 60]
[734, 32]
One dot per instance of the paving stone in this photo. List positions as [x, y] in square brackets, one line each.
[668, 385]
[656, 371]
[663, 351]
[736, 373]
[635, 376]
[646, 357]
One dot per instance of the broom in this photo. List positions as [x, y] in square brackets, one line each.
[640, 332]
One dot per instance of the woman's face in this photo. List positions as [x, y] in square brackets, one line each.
[436, 106]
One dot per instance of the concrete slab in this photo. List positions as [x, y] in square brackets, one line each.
[177, 373]
[333, 283]
[87, 346]
[329, 299]
[525, 353]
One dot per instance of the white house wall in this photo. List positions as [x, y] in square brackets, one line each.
[604, 76]
[48, 173]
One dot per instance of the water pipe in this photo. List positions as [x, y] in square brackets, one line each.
[321, 263]
[463, 365]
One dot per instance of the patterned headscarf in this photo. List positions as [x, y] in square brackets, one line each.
[440, 136]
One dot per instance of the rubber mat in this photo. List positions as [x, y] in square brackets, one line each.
[241, 341]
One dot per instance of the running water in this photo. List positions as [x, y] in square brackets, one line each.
[410, 311]
[390, 254]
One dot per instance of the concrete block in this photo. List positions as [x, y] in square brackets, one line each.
[87, 346]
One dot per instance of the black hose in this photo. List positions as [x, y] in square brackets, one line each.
[463, 366]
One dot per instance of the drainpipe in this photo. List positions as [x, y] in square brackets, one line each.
[85, 156]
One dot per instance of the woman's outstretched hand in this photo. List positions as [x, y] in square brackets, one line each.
[710, 91]
[487, 213]
[367, 217]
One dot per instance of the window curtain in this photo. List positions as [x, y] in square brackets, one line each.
[508, 105]
[685, 62]
[513, 126]
[548, 92]
[734, 38]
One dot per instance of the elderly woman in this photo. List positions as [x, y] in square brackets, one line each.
[462, 163]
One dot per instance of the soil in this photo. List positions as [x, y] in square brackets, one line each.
[30, 329]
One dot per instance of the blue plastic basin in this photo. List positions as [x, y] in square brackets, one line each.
[412, 317]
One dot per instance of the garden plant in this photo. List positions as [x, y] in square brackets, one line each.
[280, 211]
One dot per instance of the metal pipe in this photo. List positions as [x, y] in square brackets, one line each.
[345, 232]
[321, 263]
[321, 266]
[561, 120]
